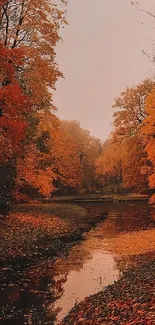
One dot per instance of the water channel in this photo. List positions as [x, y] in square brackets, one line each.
[44, 293]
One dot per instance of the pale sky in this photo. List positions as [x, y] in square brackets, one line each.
[100, 55]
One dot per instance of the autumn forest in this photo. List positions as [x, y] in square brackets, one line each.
[39, 152]
[43, 157]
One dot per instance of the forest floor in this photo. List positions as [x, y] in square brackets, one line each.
[129, 301]
[35, 231]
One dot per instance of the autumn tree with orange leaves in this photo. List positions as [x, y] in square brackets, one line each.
[130, 109]
[109, 167]
[29, 32]
[124, 159]
[128, 121]
[51, 160]
[148, 134]
[135, 167]
[59, 157]
[14, 104]
[39, 150]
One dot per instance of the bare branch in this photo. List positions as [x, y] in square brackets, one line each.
[5, 8]
[143, 10]
[21, 17]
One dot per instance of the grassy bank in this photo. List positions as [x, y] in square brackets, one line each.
[34, 231]
[130, 301]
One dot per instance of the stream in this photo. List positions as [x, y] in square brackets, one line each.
[44, 293]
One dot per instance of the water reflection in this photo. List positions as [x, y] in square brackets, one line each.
[25, 296]
[48, 290]
[95, 274]
[124, 216]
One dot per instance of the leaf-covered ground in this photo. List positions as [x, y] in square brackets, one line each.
[36, 230]
[130, 301]
[21, 234]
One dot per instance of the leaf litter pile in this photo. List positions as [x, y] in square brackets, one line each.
[21, 234]
[32, 229]
[129, 301]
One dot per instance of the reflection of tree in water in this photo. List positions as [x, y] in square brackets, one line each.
[109, 228]
[26, 299]
[124, 216]
[26, 296]
[78, 255]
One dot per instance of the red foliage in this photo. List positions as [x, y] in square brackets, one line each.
[13, 103]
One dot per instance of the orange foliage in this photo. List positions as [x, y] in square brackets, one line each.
[66, 158]
[86, 151]
[134, 164]
[109, 166]
[31, 171]
[29, 32]
[128, 121]
[53, 155]
[48, 153]
[34, 26]
[148, 133]
[131, 109]
[13, 104]
[109, 162]
[60, 154]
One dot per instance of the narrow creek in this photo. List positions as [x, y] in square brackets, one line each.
[44, 293]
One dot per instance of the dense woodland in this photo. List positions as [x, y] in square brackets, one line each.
[41, 154]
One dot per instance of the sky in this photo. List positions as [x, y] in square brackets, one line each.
[101, 53]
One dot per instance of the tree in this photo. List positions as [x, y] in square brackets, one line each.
[109, 167]
[29, 32]
[122, 165]
[35, 165]
[128, 122]
[51, 160]
[34, 26]
[134, 164]
[60, 155]
[13, 105]
[89, 165]
[88, 149]
[148, 133]
[136, 4]
[131, 109]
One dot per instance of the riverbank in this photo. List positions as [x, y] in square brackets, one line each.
[48, 229]
[49, 287]
[129, 301]
[36, 231]
[88, 198]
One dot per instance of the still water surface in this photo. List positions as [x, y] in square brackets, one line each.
[44, 293]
